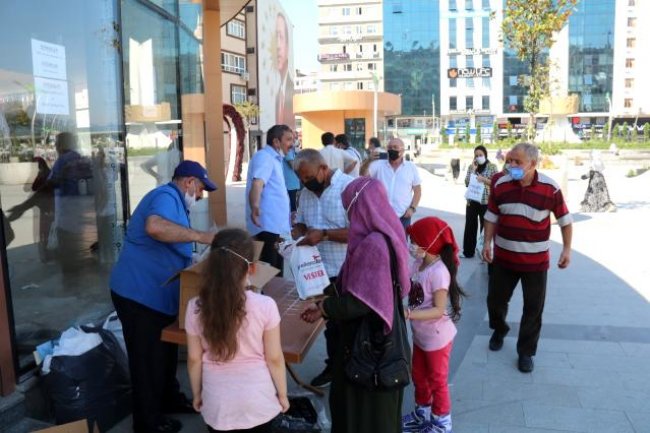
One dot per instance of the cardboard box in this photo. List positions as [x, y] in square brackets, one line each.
[192, 278]
[80, 426]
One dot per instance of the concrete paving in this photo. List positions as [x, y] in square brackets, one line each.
[592, 372]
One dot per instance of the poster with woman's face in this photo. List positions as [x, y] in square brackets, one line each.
[276, 71]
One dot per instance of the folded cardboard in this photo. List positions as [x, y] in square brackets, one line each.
[192, 278]
[80, 426]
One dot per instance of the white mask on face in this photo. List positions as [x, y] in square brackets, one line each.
[480, 160]
[416, 251]
[190, 199]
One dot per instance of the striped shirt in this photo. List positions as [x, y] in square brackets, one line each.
[523, 224]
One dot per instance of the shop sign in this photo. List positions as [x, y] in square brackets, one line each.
[469, 72]
[334, 56]
[471, 51]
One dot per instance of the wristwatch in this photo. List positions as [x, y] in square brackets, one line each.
[324, 234]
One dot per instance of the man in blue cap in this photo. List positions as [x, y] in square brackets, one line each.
[158, 244]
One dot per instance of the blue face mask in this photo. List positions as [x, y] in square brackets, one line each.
[517, 173]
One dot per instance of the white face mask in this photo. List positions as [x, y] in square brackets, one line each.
[480, 160]
[190, 199]
[416, 251]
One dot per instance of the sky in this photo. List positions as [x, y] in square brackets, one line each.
[303, 15]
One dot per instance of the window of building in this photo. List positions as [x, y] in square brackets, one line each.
[360, 85]
[358, 29]
[452, 33]
[469, 61]
[485, 60]
[334, 30]
[359, 66]
[486, 4]
[359, 11]
[485, 102]
[237, 94]
[453, 82]
[453, 103]
[486, 32]
[469, 5]
[629, 83]
[371, 29]
[374, 48]
[236, 28]
[631, 2]
[345, 12]
[333, 68]
[347, 30]
[233, 63]
[469, 103]
[372, 66]
[627, 103]
[469, 32]
[452, 5]
[453, 61]
[345, 49]
[347, 67]
[631, 42]
[629, 63]
[631, 22]
[487, 82]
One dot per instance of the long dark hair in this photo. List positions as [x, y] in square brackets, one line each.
[456, 293]
[481, 167]
[222, 299]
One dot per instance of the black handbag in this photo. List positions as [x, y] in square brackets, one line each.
[379, 361]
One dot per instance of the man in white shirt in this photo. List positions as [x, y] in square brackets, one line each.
[401, 179]
[335, 158]
[341, 141]
[323, 222]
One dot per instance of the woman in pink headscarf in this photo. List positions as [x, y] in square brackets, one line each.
[365, 288]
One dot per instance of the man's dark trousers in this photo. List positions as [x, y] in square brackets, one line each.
[332, 331]
[502, 283]
[152, 363]
[270, 252]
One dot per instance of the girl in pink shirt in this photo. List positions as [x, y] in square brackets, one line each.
[433, 283]
[235, 359]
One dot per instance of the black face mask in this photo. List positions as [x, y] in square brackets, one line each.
[393, 155]
[315, 186]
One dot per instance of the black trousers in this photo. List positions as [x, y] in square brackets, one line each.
[455, 167]
[502, 283]
[270, 252]
[474, 213]
[332, 331]
[152, 363]
[262, 428]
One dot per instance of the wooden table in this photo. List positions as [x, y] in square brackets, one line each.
[297, 335]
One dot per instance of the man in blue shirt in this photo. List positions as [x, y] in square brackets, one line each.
[267, 205]
[157, 245]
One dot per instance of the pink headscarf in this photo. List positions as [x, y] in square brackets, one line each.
[366, 272]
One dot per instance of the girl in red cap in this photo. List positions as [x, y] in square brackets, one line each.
[433, 283]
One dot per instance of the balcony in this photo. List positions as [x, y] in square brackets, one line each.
[333, 57]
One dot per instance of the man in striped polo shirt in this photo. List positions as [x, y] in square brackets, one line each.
[518, 220]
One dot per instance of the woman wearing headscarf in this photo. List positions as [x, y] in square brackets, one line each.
[365, 289]
[483, 169]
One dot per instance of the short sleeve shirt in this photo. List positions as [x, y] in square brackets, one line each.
[275, 209]
[327, 212]
[228, 388]
[336, 158]
[431, 335]
[399, 183]
[145, 265]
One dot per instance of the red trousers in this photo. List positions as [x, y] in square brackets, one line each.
[430, 374]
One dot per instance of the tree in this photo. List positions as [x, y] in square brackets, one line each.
[528, 28]
[248, 111]
[646, 132]
[605, 131]
[478, 134]
[495, 132]
[509, 129]
[467, 133]
[625, 131]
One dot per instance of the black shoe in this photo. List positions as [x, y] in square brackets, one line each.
[181, 404]
[496, 341]
[324, 378]
[165, 425]
[525, 363]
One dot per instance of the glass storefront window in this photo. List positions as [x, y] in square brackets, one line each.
[61, 163]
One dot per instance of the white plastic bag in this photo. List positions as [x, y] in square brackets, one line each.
[113, 324]
[308, 271]
[474, 189]
[73, 342]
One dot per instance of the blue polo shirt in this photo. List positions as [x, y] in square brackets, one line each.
[274, 206]
[290, 177]
[145, 265]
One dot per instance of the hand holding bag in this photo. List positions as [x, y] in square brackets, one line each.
[381, 361]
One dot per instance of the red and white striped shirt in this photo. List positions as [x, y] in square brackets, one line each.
[523, 224]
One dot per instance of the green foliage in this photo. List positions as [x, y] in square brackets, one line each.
[528, 28]
[478, 134]
[617, 131]
[443, 135]
[248, 110]
[605, 130]
[509, 129]
[495, 132]
[646, 132]
[467, 133]
[550, 148]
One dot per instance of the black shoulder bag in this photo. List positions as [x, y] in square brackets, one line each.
[378, 361]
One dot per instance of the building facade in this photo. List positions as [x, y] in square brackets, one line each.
[351, 52]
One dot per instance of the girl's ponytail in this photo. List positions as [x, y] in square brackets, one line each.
[456, 293]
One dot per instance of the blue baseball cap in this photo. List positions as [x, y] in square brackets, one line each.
[194, 169]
